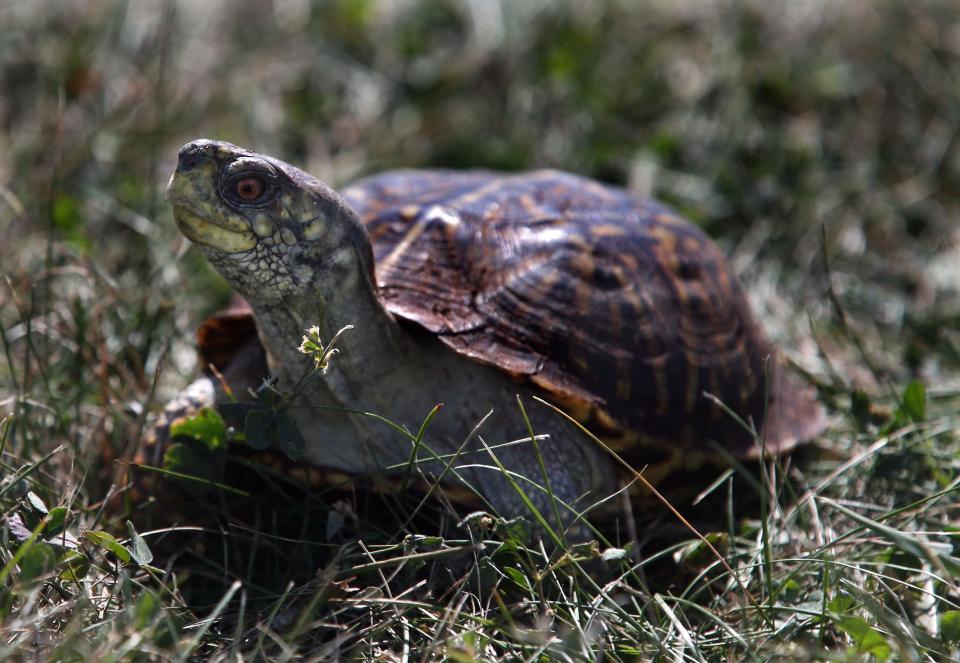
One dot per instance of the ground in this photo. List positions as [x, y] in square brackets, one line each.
[816, 141]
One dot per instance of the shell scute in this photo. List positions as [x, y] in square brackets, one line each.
[612, 304]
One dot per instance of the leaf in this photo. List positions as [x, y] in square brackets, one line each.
[950, 625]
[868, 639]
[614, 555]
[259, 428]
[138, 547]
[234, 414]
[517, 531]
[914, 403]
[874, 643]
[790, 590]
[68, 218]
[39, 560]
[145, 610]
[56, 519]
[841, 603]
[480, 520]
[107, 542]
[36, 502]
[697, 549]
[192, 459]
[17, 528]
[291, 440]
[75, 566]
[517, 577]
[586, 549]
[422, 542]
[205, 426]
[52, 528]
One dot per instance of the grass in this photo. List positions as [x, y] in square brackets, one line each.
[817, 143]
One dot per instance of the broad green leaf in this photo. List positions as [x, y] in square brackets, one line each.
[68, 217]
[841, 603]
[291, 441]
[589, 549]
[75, 566]
[422, 542]
[206, 426]
[914, 404]
[234, 414]
[874, 643]
[107, 542]
[146, 608]
[260, 428]
[517, 577]
[516, 531]
[176, 459]
[950, 625]
[868, 639]
[191, 459]
[37, 561]
[56, 519]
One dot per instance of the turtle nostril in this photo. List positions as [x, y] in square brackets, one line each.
[191, 156]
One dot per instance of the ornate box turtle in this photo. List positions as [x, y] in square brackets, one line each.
[470, 288]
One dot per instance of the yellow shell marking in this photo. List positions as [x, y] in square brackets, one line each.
[671, 220]
[716, 413]
[384, 266]
[608, 230]
[693, 384]
[658, 366]
[477, 193]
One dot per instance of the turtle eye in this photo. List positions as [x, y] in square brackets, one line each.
[249, 188]
[248, 182]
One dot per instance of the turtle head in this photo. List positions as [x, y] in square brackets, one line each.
[273, 231]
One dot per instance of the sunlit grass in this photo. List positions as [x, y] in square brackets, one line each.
[817, 145]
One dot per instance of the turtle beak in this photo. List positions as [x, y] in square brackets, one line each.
[195, 177]
[166, 190]
[200, 214]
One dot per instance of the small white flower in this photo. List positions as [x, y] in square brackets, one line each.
[313, 346]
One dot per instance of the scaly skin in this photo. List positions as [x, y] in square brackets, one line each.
[487, 286]
[301, 257]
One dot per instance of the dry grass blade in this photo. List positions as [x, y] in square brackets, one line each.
[816, 142]
[663, 500]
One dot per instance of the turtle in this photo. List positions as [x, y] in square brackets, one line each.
[480, 291]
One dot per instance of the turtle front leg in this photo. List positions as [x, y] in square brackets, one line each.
[245, 370]
[199, 394]
[561, 479]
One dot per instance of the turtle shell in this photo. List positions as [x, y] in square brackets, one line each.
[621, 311]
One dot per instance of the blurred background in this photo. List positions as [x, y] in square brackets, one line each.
[817, 141]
